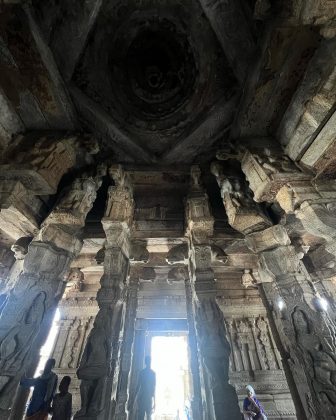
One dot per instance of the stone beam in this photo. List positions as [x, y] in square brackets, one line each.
[285, 52]
[71, 30]
[310, 109]
[69, 121]
[35, 90]
[233, 32]
[102, 122]
[219, 121]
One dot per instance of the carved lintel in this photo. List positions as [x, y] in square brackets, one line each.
[268, 239]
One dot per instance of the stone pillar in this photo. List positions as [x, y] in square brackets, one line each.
[98, 367]
[121, 412]
[306, 331]
[40, 285]
[211, 332]
[196, 402]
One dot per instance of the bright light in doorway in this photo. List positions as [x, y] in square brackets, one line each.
[47, 348]
[170, 363]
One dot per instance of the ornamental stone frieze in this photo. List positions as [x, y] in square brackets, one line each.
[40, 285]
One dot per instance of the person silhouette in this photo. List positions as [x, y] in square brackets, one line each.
[145, 391]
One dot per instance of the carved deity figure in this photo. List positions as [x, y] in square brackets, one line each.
[75, 280]
[320, 364]
[273, 164]
[266, 345]
[94, 366]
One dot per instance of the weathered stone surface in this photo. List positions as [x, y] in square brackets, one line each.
[40, 165]
[267, 173]
[310, 109]
[21, 212]
[37, 289]
[99, 366]
[243, 214]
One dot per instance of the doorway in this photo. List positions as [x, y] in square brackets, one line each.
[171, 365]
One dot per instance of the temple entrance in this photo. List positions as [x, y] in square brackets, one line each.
[170, 362]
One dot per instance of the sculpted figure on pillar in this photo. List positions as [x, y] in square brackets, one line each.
[266, 170]
[37, 290]
[75, 280]
[243, 213]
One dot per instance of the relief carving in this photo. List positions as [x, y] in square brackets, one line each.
[243, 213]
[41, 167]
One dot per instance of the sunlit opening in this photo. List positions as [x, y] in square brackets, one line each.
[170, 363]
[47, 348]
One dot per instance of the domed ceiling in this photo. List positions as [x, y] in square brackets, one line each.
[156, 74]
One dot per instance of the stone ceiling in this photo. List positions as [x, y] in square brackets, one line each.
[165, 82]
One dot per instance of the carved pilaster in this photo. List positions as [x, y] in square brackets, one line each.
[39, 287]
[213, 344]
[98, 369]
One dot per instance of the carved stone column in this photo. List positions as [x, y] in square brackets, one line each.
[98, 367]
[211, 332]
[121, 412]
[40, 285]
[307, 333]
